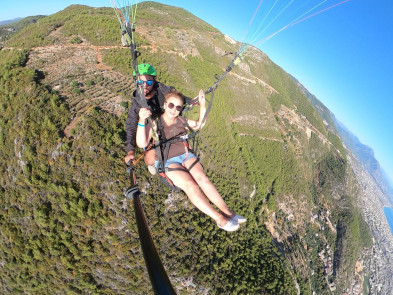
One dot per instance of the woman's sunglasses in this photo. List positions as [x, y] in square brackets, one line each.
[171, 106]
[148, 82]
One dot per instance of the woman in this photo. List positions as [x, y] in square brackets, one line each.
[194, 180]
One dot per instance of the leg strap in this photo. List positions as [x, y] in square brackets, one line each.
[193, 164]
[175, 169]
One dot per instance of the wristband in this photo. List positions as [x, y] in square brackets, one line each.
[139, 124]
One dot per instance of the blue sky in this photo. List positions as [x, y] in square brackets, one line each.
[343, 55]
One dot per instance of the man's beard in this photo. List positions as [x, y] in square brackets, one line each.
[148, 92]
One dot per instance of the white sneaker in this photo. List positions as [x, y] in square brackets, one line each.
[239, 219]
[152, 170]
[231, 225]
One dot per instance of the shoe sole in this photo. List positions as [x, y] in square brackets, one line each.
[152, 170]
[229, 230]
[240, 221]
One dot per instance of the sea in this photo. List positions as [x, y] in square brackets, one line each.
[389, 217]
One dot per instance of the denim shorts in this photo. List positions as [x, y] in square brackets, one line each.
[176, 160]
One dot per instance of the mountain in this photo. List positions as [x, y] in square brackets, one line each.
[375, 191]
[389, 185]
[364, 153]
[4, 22]
[65, 87]
[366, 156]
[10, 27]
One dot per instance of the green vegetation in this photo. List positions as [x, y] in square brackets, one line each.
[336, 141]
[7, 30]
[75, 186]
[66, 226]
[97, 25]
[174, 17]
[366, 285]
[76, 40]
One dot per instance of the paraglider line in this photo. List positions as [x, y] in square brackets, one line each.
[299, 21]
[252, 19]
[272, 21]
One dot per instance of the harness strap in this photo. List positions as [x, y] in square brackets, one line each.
[162, 139]
[192, 134]
[193, 164]
[182, 169]
[167, 146]
[169, 182]
[176, 169]
[163, 146]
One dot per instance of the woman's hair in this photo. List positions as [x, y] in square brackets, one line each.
[176, 94]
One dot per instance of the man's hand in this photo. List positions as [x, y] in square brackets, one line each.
[130, 156]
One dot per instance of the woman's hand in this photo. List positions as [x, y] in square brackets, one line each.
[202, 99]
[144, 113]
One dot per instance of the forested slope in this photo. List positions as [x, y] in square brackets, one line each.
[66, 227]
[8, 29]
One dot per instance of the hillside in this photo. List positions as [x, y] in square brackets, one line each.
[363, 153]
[374, 193]
[65, 87]
[8, 21]
[10, 27]
[366, 156]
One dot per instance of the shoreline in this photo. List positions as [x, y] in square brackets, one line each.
[388, 211]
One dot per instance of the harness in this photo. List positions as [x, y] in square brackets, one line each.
[163, 146]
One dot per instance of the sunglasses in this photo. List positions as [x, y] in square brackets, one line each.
[171, 106]
[148, 82]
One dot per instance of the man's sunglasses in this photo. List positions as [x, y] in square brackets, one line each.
[171, 106]
[148, 82]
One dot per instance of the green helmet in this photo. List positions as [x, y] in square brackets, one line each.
[145, 69]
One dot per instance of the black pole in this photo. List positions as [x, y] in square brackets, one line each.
[158, 276]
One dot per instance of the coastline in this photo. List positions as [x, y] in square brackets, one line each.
[388, 211]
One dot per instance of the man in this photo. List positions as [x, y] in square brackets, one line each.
[154, 93]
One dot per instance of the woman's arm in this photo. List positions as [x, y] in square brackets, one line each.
[202, 111]
[143, 132]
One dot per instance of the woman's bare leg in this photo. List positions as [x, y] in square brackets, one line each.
[207, 187]
[184, 181]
